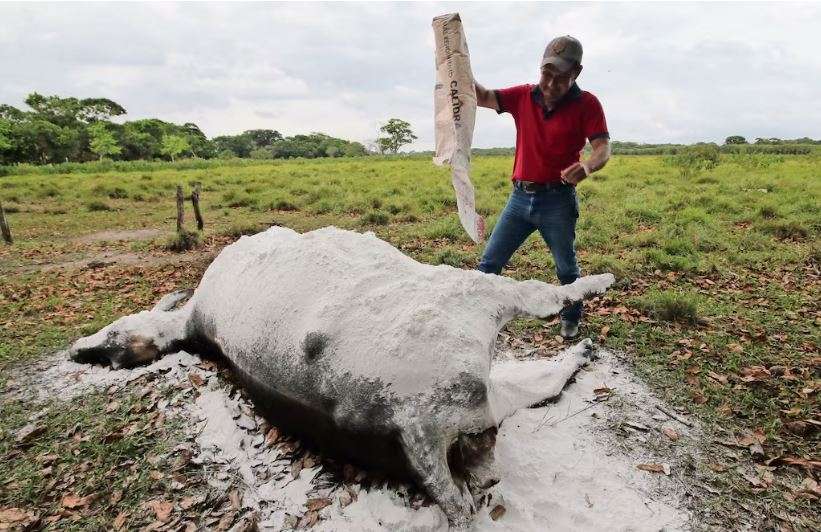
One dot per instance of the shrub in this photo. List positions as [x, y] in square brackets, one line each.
[694, 159]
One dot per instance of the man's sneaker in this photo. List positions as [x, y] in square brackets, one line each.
[570, 329]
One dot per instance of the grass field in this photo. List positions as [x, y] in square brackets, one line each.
[716, 304]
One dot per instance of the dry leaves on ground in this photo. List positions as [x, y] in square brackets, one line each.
[17, 519]
[73, 501]
[162, 509]
[655, 468]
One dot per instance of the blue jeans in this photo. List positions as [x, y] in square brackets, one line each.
[553, 212]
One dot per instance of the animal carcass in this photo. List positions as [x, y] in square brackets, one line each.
[342, 339]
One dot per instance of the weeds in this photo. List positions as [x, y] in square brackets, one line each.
[98, 205]
[183, 241]
[670, 305]
[375, 218]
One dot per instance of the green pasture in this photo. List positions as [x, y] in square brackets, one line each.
[717, 269]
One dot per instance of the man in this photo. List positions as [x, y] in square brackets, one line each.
[553, 120]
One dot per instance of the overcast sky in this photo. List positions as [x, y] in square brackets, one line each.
[664, 72]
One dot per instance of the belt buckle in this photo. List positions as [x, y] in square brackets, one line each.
[528, 187]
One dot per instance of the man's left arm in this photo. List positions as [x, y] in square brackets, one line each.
[576, 172]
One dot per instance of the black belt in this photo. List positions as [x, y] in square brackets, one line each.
[529, 187]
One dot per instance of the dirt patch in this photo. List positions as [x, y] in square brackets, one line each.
[131, 235]
[114, 258]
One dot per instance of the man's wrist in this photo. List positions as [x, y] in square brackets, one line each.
[586, 167]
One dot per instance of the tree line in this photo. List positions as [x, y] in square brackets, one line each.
[56, 130]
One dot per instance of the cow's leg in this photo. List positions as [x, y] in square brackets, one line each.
[427, 455]
[519, 384]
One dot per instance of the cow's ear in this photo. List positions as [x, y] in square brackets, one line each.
[173, 300]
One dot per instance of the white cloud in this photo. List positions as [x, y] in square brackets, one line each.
[665, 73]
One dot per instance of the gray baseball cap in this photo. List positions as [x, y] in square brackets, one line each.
[563, 52]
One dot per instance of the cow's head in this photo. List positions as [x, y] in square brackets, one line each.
[136, 339]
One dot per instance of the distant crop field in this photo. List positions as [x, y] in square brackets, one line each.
[716, 304]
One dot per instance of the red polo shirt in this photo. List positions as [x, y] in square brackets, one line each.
[547, 142]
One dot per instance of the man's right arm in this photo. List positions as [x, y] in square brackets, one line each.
[486, 98]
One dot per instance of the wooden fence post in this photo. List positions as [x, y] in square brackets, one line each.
[4, 226]
[180, 206]
[195, 201]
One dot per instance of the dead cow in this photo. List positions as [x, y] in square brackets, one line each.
[345, 341]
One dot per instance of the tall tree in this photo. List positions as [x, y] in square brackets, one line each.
[397, 134]
[102, 140]
[239, 145]
[174, 145]
[263, 138]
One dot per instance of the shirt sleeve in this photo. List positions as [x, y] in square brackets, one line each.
[510, 98]
[594, 125]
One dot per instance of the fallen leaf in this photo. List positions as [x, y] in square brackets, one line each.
[698, 397]
[754, 374]
[809, 489]
[225, 522]
[655, 468]
[247, 523]
[751, 438]
[801, 428]
[112, 406]
[317, 504]
[236, 500]
[497, 512]
[717, 377]
[809, 465]
[670, 433]
[345, 498]
[28, 433]
[196, 379]
[296, 468]
[718, 468]
[162, 509]
[17, 519]
[119, 521]
[116, 496]
[308, 520]
[272, 436]
[74, 501]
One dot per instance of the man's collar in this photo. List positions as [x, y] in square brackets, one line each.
[572, 94]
